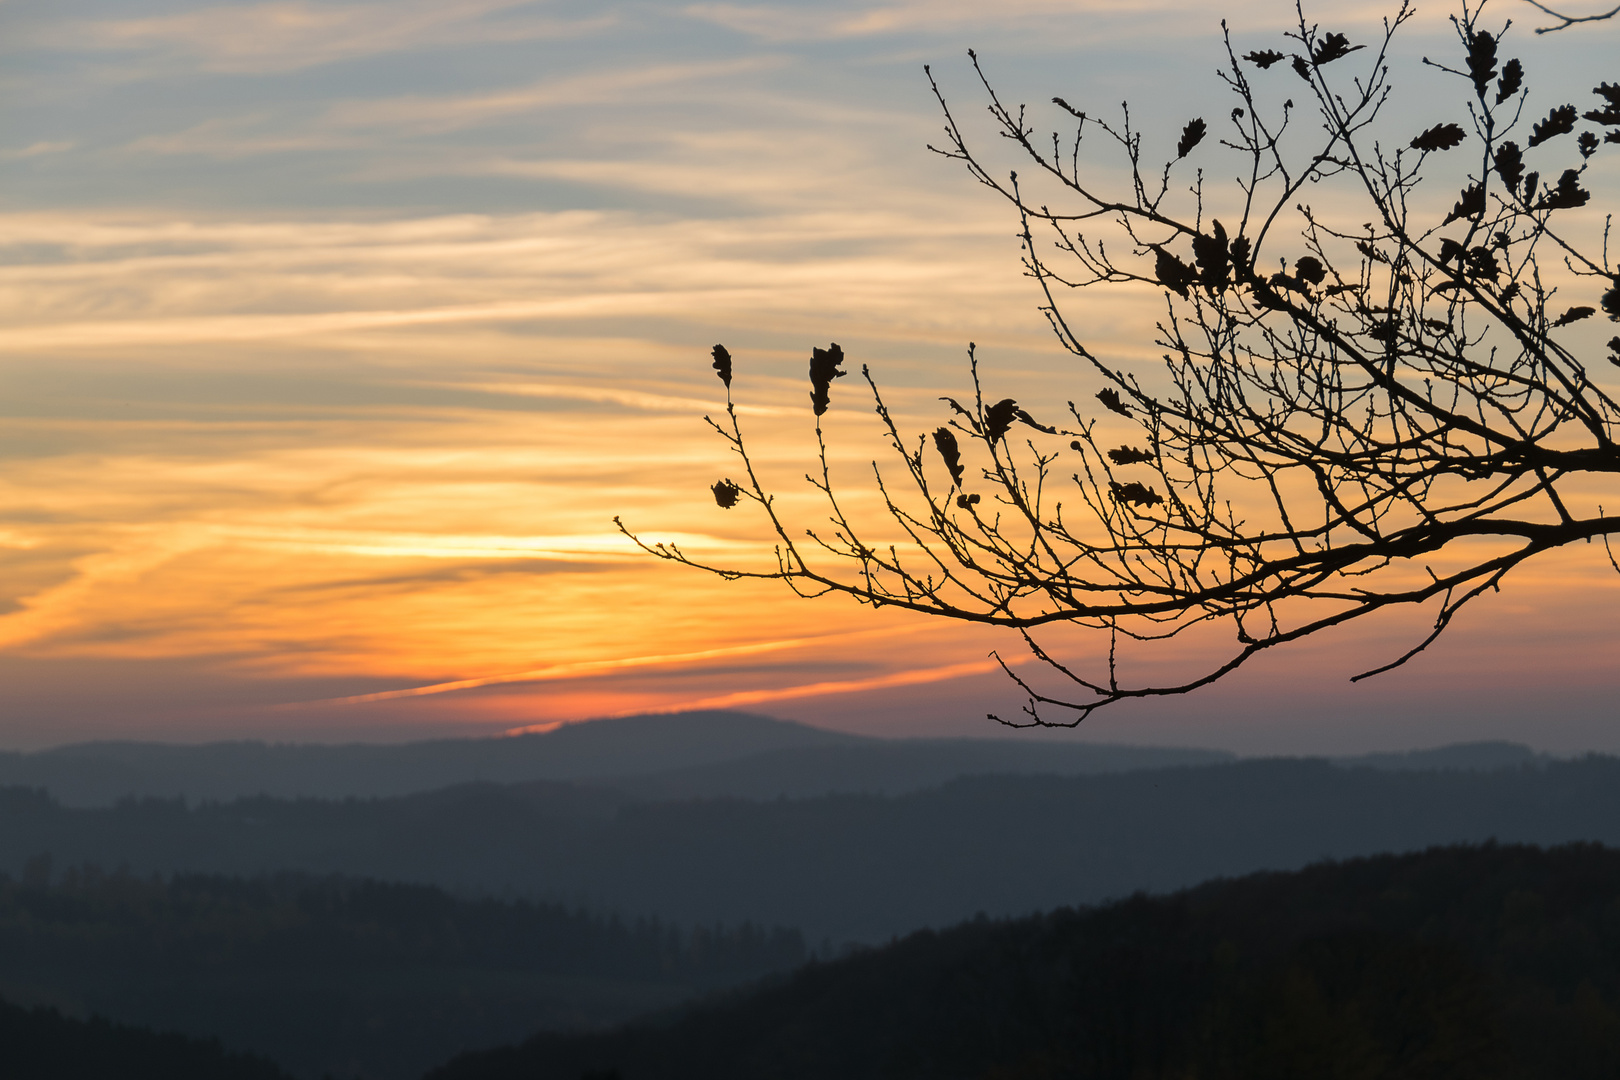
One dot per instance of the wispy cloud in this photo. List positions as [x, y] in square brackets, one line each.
[296, 34]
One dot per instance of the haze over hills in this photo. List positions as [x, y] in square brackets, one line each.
[675, 756]
[844, 867]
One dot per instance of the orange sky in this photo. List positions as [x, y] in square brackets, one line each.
[335, 335]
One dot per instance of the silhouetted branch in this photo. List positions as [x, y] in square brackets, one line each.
[1396, 391]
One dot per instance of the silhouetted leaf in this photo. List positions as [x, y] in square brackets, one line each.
[945, 443]
[956, 406]
[1587, 144]
[967, 502]
[1567, 195]
[725, 494]
[1610, 113]
[1172, 273]
[1129, 455]
[1134, 494]
[722, 364]
[1530, 180]
[1309, 268]
[998, 418]
[1070, 109]
[1574, 314]
[1211, 255]
[1611, 301]
[1482, 263]
[1470, 205]
[1561, 121]
[1439, 137]
[1481, 60]
[1449, 250]
[824, 365]
[1614, 356]
[1510, 164]
[1240, 256]
[1302, 68]
[1110, 399]
[1024, 418]
[1332, 47]
[1264, 59]
[1512, 78]
[1191, 136]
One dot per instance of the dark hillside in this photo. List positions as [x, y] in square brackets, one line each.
[1488, 963]
[359, 978]
[42, 1044]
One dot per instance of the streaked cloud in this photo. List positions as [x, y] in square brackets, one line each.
[298, 34]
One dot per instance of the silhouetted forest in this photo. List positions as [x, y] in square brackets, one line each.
[360, 978]
[847, 867]
[1486, 963]
[42, 1044]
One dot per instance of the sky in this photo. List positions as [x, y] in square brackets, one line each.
[333, 336]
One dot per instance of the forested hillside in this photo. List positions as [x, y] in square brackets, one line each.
[356, 978]
[1486, 963]
[42, 1044]
[844, 868]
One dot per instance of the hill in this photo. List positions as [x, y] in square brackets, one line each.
[350, 977]
[100, 773]
[846, 867]
[1493, 963]
[681, 755]
[42, 1044]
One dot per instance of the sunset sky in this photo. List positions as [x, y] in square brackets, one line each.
[334, 335]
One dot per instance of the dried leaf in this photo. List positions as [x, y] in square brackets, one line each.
[1110, 399]
[1172, 273]
[1302, 68]
[1264, 59]
[1470, 205]
[999, 417]
[1567, 195]
[1211, 255]
[1561, 121]
[1509, 164]
[1129, 455]
[1024, 418]
[1481, 60]
[725, 494]
[1191, 136]
[1332, 47]
[722, 364]
[1512, 78]
[967, 502]
[1439, 137]
[1134, 494]
[945, 443]
[1587, 144]
[1574, 314]
[823, 370]
[1309, 268]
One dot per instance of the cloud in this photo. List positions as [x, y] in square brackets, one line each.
[291, 35]
[38, 149]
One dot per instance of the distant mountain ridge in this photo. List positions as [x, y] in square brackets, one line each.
[712, 754]
[681, 755]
